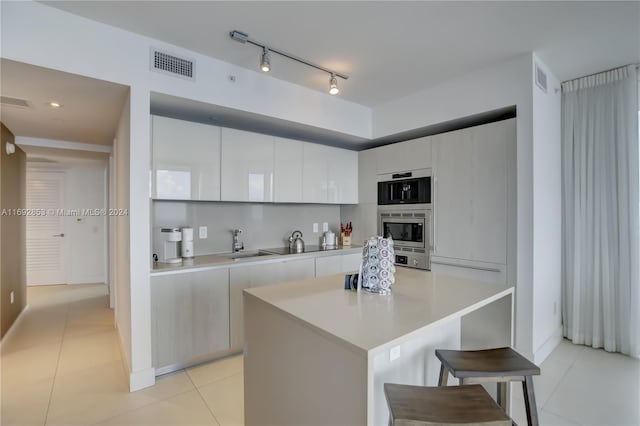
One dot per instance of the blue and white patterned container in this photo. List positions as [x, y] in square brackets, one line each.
[377, 269]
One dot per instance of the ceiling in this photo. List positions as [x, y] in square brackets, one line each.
[390, 49]
[90, 108]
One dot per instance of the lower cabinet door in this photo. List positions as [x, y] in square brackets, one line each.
[330, 265]
[190, 317]
[257, 276]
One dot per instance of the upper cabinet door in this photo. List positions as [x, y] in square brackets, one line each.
[186, 160]
[247, 166]
[287, 171]
[453, 194]
[342, 176]
[491, 144]
[315, 180]
[402, 156]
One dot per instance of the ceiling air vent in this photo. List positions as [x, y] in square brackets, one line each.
[167, 63]
[541, 79]
[13, 102]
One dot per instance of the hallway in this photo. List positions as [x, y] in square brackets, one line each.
[62, 366]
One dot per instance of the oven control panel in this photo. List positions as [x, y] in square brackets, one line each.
[413, 261]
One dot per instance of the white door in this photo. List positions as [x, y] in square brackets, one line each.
[45, 228]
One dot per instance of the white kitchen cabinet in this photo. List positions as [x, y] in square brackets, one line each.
[342, 176]
[189, 317]
[470, 193]
[402, 156]
[367, 177]
[330, 175]
[241, 278]
[345, 263]
[247, 166]
[452, 195]
[287, 180]
[186, 160]
[315, 181]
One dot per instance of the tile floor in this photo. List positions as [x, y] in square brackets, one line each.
[62, 366]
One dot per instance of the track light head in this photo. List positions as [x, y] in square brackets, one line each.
[265, 62]
[333, 85]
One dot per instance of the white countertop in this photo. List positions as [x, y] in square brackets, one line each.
[223, 260]
[370, 322]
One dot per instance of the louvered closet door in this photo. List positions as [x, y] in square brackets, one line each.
[45, 233]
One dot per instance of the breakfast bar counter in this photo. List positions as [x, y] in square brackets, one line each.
[317, 354]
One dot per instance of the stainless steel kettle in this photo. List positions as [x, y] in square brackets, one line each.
[296, 244]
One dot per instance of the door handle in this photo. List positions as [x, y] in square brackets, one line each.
[58, 235]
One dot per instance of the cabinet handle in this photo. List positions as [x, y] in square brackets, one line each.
[480, 268]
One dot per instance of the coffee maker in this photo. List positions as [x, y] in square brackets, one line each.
[187, 243]
[166, 245]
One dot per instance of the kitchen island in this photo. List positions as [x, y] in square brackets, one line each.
[316, 354]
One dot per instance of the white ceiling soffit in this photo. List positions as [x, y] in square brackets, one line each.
[190, 110]
[390, 49]
[90, 108]
[45, 155]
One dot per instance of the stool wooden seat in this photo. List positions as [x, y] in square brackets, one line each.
[499, 366]
[459, 405]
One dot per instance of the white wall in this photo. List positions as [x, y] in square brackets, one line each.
[120, 236]
[505, 84]
[547, 219]
[40, 35]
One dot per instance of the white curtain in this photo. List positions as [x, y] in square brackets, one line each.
[600, 211]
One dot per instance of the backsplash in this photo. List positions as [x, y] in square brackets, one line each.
[263, 225]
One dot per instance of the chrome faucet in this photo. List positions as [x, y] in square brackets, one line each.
[237, 244]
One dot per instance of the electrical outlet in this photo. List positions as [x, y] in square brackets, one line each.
[202, 232]
[315, 228]
[325, 227]
[394, 353]
[12, 297]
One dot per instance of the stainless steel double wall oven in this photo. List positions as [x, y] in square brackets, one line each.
[405, 214]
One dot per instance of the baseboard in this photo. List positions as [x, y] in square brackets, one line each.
[13, 327]
[137, 379]
[142, 379]
[547, 347]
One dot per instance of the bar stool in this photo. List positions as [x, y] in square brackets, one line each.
[499, 366]
[460, 405]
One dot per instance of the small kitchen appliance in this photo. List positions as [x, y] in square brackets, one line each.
[410, 187]
[187, 243]
[329, 239]
[166, 245]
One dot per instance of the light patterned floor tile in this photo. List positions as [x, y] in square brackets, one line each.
[182, 410]
[101, 392]
[600, 388]
[225, 398]
[208, 373]
[26, 403]
[29, 365]
[88, 351]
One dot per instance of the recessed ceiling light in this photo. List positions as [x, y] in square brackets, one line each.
[54, 104]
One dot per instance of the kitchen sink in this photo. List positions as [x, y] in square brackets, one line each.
[236, 256]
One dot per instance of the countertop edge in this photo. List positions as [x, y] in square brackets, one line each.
[274, 258]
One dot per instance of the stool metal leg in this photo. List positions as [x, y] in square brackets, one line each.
[444, 376]
[530, 401]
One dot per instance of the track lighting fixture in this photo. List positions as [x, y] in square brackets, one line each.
[265, 61]
[333, 85]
